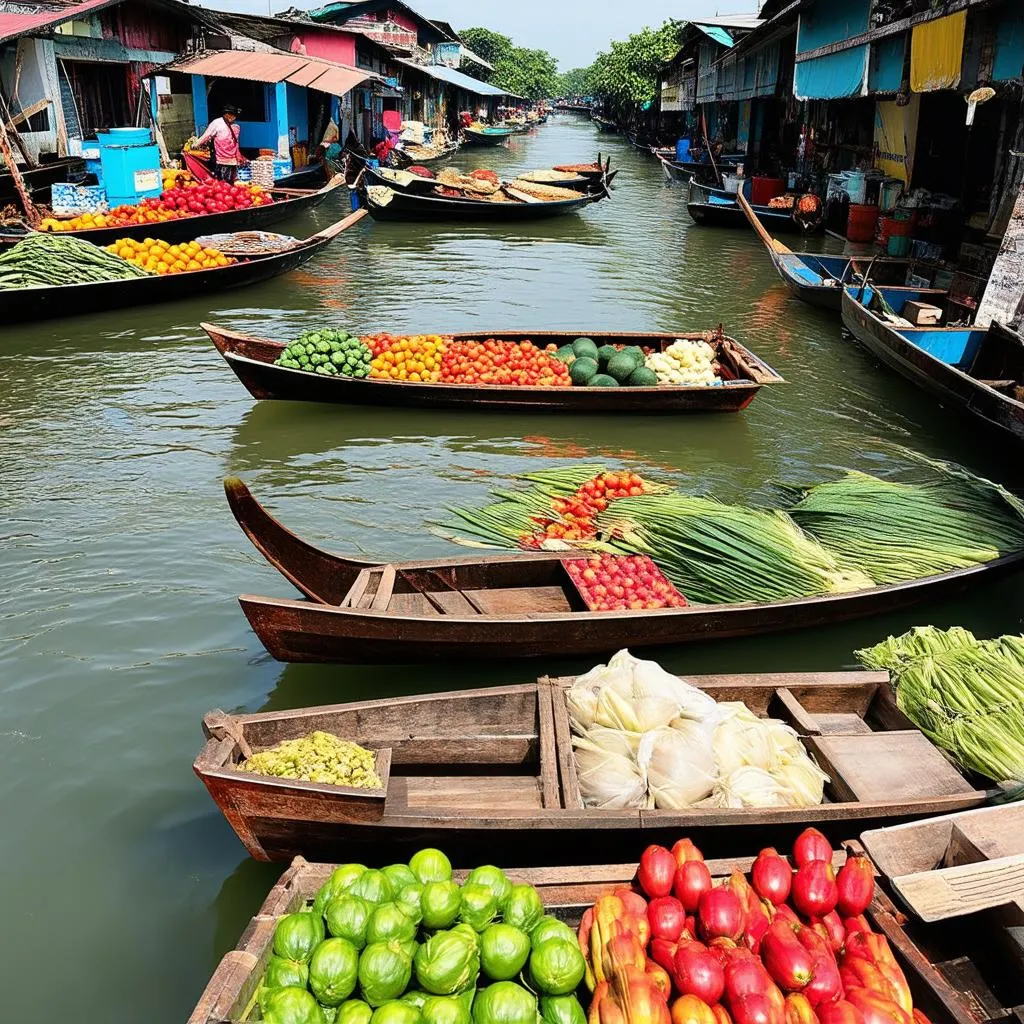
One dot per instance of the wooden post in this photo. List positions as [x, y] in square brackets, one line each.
[1004, 294]
[31, 213]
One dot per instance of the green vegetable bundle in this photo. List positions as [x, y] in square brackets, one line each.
[407, 945]
[44, 260]
[965, 694]
[329, 353]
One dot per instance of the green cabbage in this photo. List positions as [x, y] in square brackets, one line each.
[523, 907]
[354, 1011]
[494, 878]
[396, 1012]
[503, 951]
[384, 972]
[561, 1010]
[447, 962]
[557, 967]
[416, 996]
[431, 866]
[373, 886]
[399, 875]
[332, 971]
[440, 903]
[341, 878]
[549, 927]
[283, 973]
[389, 921]
[445, 1010]
[297, 935]
[347, 917]
[464, 929]
[479, 906]
[291, 1006]
[330, 1013]
[504, 1002]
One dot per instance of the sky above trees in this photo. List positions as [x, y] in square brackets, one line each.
[572, 31]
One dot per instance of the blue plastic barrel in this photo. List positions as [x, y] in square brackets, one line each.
[131, 165]
[683, 151]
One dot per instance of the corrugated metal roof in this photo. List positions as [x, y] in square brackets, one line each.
[457, 78]
[322, 75]
[14, 25]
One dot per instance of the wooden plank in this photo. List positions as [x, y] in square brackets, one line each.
[804, 723]
[519, 600]
[964, 889]
[550, 792]
[385, 588]
[886, 766]
[513, 792]
[355, 594]
[840, 722]
[563, 747]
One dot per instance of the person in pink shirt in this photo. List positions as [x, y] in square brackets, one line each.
[225, 133]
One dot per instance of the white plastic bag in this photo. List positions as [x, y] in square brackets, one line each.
[679, 763]
[609, 776]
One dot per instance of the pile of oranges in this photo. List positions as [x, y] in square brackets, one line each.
[118, 217]
[416, 358]
[160, 258]
[504, 362]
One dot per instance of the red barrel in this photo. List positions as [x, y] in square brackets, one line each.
[764, 189]
[890, 227]
[860, 225]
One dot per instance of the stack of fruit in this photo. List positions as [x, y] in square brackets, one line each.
[161, 258]
[416, 358]
[328, 353]
[606, 367]
[685, 362]
[789, 946]
[503, 362]
[618, 583]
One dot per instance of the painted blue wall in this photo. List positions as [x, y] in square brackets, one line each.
[255, 134]
[298, 110]
[1009, 55]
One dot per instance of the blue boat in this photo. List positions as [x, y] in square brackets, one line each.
[718, 208]
[980, 370]
[488, 136]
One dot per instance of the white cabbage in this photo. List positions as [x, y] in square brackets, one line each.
[680, 764]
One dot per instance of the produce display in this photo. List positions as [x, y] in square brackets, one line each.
[833, 537]
[617, 583]
[685, 362]
[788, 944]
[645, 738]
[39, 261]
[609, 366]
[190, 199]
[158, 257]
[329, 353]
[408, 945]
[416, 358]
[502, 362]
[319, 757]
[966, 695]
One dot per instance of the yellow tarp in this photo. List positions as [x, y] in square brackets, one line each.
[895, 137]
[936, 53]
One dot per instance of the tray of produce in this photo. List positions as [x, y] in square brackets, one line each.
[249, 243]
[627, 746]
[675, 939]
[558, 372]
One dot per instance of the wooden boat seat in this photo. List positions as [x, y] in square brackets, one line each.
[448, 793]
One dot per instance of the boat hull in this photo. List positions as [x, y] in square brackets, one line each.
[945, 382]
[724, 215]
[472, 138]
[407, 206]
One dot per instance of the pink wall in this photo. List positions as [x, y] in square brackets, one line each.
[403, 19]
[337, 46]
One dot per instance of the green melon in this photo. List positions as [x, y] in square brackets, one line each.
[565, 354]
[582, 370]
[620, 366]
[602, 380]
[605, 354]
[585, 347]
[641, 377]
[636, 353]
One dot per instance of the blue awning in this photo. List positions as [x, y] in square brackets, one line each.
[834, 77]
[458, 79]
[716, 32]
[885, 73]
[1009, 55]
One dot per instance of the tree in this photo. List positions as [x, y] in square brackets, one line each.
[575, 82]
[529, 73]
[492, 46]
[628, 73]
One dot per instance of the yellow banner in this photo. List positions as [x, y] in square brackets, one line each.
[895, 137]
[936, 53]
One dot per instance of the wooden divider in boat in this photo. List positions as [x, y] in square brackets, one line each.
[566, 892]
[500, 761]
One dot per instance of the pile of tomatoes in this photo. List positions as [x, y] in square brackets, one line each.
[416, 358]
[618, 583]
[503, 362]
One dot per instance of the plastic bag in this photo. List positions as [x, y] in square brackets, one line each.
[609, 776]
[741, 738]
[679, 763]
[747, 786]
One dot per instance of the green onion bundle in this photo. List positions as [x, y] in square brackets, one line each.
[717, 553]
[965, 694]
[894, 531]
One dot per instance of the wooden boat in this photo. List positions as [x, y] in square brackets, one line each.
[981, 371]
[690, 171]
[409, 206]
[567, 892]
[502, 758]
[818, 278]
[715, 207]
[604, 124]
[508, 605]
[38, 179]
[491, 136]
[406, 159]
[22, 305]
[252, 360]
[287, 203]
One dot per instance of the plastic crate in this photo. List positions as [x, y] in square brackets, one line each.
[67, 198]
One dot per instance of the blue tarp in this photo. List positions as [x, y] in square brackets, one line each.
[835, 77]
[1009, 55]
[830, 23]
[885, 72]
[716, 32]
[457, 78]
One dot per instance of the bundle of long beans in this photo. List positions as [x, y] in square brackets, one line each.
[965, 694]
[894, 531]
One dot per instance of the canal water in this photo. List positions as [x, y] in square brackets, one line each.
[121, 884]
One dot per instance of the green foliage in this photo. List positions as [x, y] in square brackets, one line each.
[492, 46]
[529, 73]
[628, 73]
[575, 82]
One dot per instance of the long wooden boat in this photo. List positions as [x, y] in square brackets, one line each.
[287, 203]
[603, 124]
[23, 305]
[690, 171]
[38, 179]
[405, 181]
[718, 208]
[567, 892]
[980, 371]
[408, 206]
[486, 136]
[406, 159]
[501, 759]
[252, 360]
[818, 278]
[509, 605]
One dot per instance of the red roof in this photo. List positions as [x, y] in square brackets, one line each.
[14, 25]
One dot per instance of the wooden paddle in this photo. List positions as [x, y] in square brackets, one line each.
[755, 222]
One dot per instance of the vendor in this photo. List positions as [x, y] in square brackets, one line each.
[227, 154]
